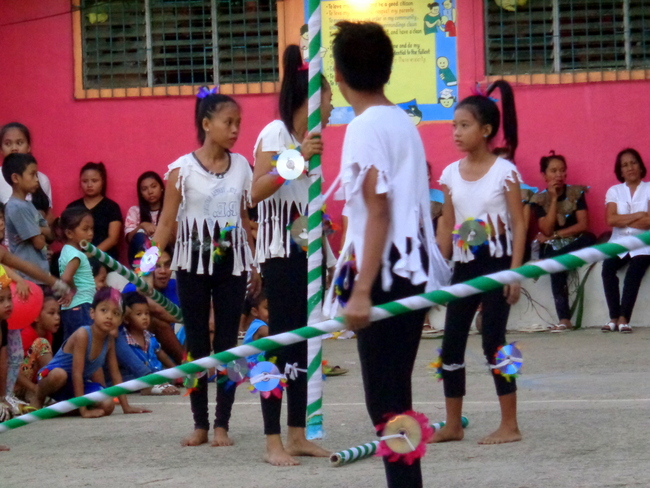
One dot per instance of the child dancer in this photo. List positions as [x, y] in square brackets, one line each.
[389, 232]
[106, 213]
[37, 345]
[207, 195]
[284, 263]
[76, 225]
[77, 368]
[483, 203]
[143, 344]
[142, 219]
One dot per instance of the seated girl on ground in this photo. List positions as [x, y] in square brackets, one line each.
[37, 346]
[77, 368]
[142, 219]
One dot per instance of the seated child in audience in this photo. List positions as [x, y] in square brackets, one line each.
[6, 307]
[37, 346]
[143, 343]
[142, 219]
[77, 368]
[100, 272]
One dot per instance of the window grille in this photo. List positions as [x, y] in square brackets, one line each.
[566, 36]
[154, 43]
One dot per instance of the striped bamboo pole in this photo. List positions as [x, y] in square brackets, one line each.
[347, 456]
[139, 283]
[315, 229]
[446, 294]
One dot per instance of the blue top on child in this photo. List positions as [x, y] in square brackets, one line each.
[83, 277]
[250, 334]
[148, 354]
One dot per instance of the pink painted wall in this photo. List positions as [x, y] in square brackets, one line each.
[588, 123]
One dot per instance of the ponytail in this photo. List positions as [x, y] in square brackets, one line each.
[101, 169]
[485, 110]
[295, 84]
[510, 128]
[208, 103]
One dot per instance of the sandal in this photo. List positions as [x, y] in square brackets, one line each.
[559, 328]
[625, 328]
[166, 389]
[608, 327]
[334, 371]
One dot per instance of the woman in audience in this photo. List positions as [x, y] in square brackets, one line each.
[563, 222]
[627, 214]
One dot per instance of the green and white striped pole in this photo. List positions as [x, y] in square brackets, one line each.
[475, 286]
[315, 230]
[133, 278]
[347, 456]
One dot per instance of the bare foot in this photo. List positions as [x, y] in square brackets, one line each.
[221, 438]
[4, 448]
[448, 434]
[196, 438]
[303, 447]
[275, 453]
[502, 435]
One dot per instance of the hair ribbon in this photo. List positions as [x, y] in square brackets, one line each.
[204, 91]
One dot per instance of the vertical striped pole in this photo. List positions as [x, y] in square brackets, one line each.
[315, 245]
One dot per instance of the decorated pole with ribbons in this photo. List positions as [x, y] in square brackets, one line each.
[315, 233]
[474, 286]
[368, 449]
[133, 278]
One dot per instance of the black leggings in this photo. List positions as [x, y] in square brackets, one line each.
[459, 320]
[387, 352]
[285, 283]
[559, 285]
[633, 277]
[227, 293]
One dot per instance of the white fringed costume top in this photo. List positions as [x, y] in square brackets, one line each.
[211, 202]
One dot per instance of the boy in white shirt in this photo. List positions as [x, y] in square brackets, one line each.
[390, 233]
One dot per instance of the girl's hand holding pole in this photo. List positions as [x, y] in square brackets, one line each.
[311, 145]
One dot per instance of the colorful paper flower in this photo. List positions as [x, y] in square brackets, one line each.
[145, 261]
[508, 361]
[404, 437]
[222, 245]
[471, 234]
[437, 365]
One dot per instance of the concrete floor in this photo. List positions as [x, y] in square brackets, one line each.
[584, 404]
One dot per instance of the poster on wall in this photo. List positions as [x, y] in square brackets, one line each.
[424, 81]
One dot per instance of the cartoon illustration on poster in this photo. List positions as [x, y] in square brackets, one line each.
[424, 81]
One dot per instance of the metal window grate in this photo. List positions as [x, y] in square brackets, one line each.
[153, 43]
[566, 36]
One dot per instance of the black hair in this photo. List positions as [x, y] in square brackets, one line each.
[48, 294]
[2, 209]
[16, 125]
[546, 160]
[486, 112]
[145, 211]
[107, 293]
[16, 163]
[295, 85]
[206, 107]
[133, 298]
[617, 167]
[96, 265]
[100, 168]
[431, 5]
[253, 302]
[363, 54]
[70, 219]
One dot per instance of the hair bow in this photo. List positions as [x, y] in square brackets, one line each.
[304, 66]
[204, 91]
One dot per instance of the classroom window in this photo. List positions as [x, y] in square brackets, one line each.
[566, 36]
[157, 45]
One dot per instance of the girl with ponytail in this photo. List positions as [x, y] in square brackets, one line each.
[283, 260]
[207, 196]
[482, 230]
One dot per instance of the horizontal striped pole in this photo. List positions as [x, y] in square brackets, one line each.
[475, 286]
[133, 278]
[364, 451]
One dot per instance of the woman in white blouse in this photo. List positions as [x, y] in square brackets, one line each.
[627, 213]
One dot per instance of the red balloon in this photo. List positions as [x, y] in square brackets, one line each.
[25, 311]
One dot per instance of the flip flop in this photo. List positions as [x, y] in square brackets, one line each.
[334, 371]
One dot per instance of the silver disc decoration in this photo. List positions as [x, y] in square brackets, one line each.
[290, 164]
